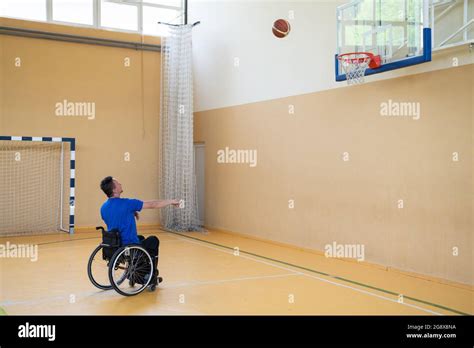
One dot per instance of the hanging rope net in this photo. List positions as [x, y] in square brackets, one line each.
[177, 178]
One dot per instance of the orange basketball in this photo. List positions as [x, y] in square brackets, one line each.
[281, 28]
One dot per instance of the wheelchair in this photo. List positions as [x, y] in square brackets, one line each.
[126, 269]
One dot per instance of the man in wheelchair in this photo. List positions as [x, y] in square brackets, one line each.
[120, 214]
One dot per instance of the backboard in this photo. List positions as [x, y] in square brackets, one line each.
[396, 30]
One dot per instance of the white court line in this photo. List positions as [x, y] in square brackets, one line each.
[229, 280]
[52, 246]
[316, 277]
[111, 292]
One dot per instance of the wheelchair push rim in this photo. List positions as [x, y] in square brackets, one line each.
[97, 270]
[130, 270]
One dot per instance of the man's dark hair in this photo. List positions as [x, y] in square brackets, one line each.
[107, 185]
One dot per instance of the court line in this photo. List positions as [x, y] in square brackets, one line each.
[170, 240]
[335, 277]
[109, 293]
[78, 239]
[180, 285]
[57, 234]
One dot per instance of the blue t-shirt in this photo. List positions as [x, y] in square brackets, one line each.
[119, 213]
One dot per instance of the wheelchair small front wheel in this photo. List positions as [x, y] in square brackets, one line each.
[97, 270]
[134, 263]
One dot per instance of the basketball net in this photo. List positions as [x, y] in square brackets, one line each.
[355, 65]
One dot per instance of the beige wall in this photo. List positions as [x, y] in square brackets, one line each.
[127, 108]
[354, 202]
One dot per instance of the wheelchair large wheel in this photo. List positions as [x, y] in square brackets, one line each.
[97, 269]
[130, 270]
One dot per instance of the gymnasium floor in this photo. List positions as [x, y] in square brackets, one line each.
[203, 276]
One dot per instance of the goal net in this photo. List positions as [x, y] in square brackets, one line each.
[34, 187]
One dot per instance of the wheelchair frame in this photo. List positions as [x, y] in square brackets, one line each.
[132, 259]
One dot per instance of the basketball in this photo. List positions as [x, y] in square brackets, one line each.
[281, 28]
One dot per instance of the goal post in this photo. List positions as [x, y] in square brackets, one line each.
[37, 185]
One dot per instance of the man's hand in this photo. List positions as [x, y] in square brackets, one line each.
[137, 216]
[174, 202]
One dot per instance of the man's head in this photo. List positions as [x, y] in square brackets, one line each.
[111, 187]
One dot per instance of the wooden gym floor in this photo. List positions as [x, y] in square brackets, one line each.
[203, 276]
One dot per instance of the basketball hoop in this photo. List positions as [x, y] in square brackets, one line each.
[355, 64]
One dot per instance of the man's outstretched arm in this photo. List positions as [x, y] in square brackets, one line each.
[156, 204]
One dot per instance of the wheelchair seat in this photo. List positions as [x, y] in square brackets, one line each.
[111, 242]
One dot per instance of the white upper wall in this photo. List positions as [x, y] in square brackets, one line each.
[269, 67]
